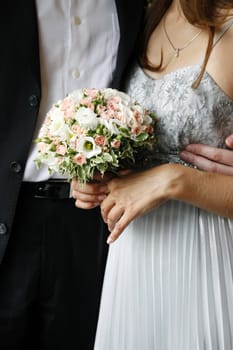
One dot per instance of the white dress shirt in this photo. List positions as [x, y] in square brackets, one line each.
[78, 42]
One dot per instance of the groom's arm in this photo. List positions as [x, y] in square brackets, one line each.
[210, 158]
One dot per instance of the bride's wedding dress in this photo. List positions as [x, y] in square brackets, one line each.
[169, 277]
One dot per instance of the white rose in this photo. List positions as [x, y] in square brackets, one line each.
[86, 118]
[86, 145]
[76, 95]
[112, 125]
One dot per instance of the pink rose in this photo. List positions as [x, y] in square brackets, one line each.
[137, 116]
[80, 159]
[69, 112]
[100, 140]
[107, 114]
[136, 129]
[116, 143]
[100, 109]
[113, 102]
[93, 93]
[78, 130]
[66, 104]
[43, 147]
[61, 149]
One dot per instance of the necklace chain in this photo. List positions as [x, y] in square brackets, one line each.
[178, 49]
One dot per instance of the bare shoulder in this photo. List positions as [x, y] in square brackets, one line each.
[220, 64]
[227, 38]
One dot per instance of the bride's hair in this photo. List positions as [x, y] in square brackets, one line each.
[204, 14]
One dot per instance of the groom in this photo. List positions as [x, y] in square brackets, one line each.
[52, 254]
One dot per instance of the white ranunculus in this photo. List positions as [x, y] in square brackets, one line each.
[60, 130]
[77, 95]
[125, 99]
[86, 145]
[86, 118]
[139, 109]
[57, 121]
[127, 115]
[50, 161]
[43, 131]
[112, 125]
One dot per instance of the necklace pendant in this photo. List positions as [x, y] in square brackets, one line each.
[177, 52]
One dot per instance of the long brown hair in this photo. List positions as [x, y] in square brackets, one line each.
[205, 14]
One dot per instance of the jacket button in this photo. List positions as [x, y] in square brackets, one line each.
[33, 101]
[16, 167]
[3, 228]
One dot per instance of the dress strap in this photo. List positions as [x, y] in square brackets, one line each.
[225, 28]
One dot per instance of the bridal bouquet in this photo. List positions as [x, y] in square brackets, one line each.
[94, 130]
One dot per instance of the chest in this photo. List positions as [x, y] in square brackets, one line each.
[185, 115]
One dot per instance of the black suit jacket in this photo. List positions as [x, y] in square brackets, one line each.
[20, 91]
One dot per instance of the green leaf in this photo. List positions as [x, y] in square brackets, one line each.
[142, 137]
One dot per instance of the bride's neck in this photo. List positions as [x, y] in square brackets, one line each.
[175, 10]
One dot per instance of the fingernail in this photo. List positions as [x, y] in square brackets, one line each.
[229, 141]
[183, 154]
[109, 240]
[101, 197]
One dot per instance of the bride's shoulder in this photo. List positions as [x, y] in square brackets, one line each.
[220, 63]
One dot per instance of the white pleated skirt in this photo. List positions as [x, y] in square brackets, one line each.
[169, 283]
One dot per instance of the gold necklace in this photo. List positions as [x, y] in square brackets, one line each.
[178, 49]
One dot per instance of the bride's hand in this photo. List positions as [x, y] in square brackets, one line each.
[91, 194]
[133, 195]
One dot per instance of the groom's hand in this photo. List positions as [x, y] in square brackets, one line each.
[209, 158]
[91, 194]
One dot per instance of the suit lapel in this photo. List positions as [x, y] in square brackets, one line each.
[18, 34]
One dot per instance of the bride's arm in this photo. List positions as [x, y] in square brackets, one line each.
[210, 191]
[131, 196]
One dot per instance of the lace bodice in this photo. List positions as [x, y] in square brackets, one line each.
[186, 115]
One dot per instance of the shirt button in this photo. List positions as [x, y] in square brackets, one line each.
[75, 74]
[33, 101]
[16, 167]
[3, 228]
[77, 21]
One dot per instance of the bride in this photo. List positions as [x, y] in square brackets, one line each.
[169, 277]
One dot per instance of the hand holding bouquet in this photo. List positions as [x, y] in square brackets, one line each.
[94, 130]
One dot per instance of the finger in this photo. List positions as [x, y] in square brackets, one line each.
[106, 205]
[93, 188]
[86, 197]
[119, 227]
[113, 216]
[125, 172]
[229, 141]
[86, 205]
[217, 155]
[206, 164]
